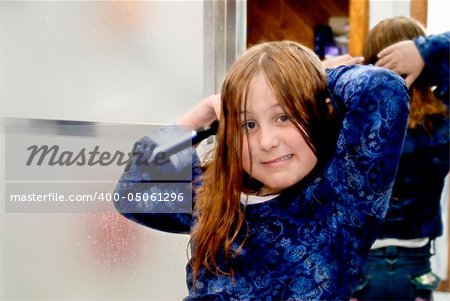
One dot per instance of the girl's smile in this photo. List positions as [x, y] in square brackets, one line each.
[278, 162]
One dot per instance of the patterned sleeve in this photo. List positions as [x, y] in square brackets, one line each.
[159, 195]
[435, 51]
[373, 104]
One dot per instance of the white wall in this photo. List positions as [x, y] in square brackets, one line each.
[382, 9]
[438, 20]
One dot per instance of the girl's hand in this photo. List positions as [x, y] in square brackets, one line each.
[204, 113]
[403, 58]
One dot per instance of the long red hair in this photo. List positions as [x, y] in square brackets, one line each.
[299, 81]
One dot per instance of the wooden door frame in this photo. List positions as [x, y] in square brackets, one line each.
[419, 11]
[359, 26]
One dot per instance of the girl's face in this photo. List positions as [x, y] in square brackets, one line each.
[280, 155]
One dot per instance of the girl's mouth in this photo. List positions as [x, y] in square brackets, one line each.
[281, 159]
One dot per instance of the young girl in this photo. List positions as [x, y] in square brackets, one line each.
[402, 252]
[300, 180]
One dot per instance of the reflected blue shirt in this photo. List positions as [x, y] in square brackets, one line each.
[415, 210]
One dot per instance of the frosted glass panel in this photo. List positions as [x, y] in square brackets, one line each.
[101, 60]
[104, 61]
[95, 256]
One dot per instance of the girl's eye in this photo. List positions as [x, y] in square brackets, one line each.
[283, 118]
[249, 125]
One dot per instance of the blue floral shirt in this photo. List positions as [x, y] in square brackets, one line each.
[310, 242]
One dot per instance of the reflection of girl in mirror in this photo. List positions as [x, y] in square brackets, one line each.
[300, 180]
[398, 266]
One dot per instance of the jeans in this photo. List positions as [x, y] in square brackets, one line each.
[397, 273]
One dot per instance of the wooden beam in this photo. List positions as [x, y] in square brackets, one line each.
[359, 26]
[419, 11]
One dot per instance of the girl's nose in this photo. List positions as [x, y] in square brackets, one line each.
[268, 138]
